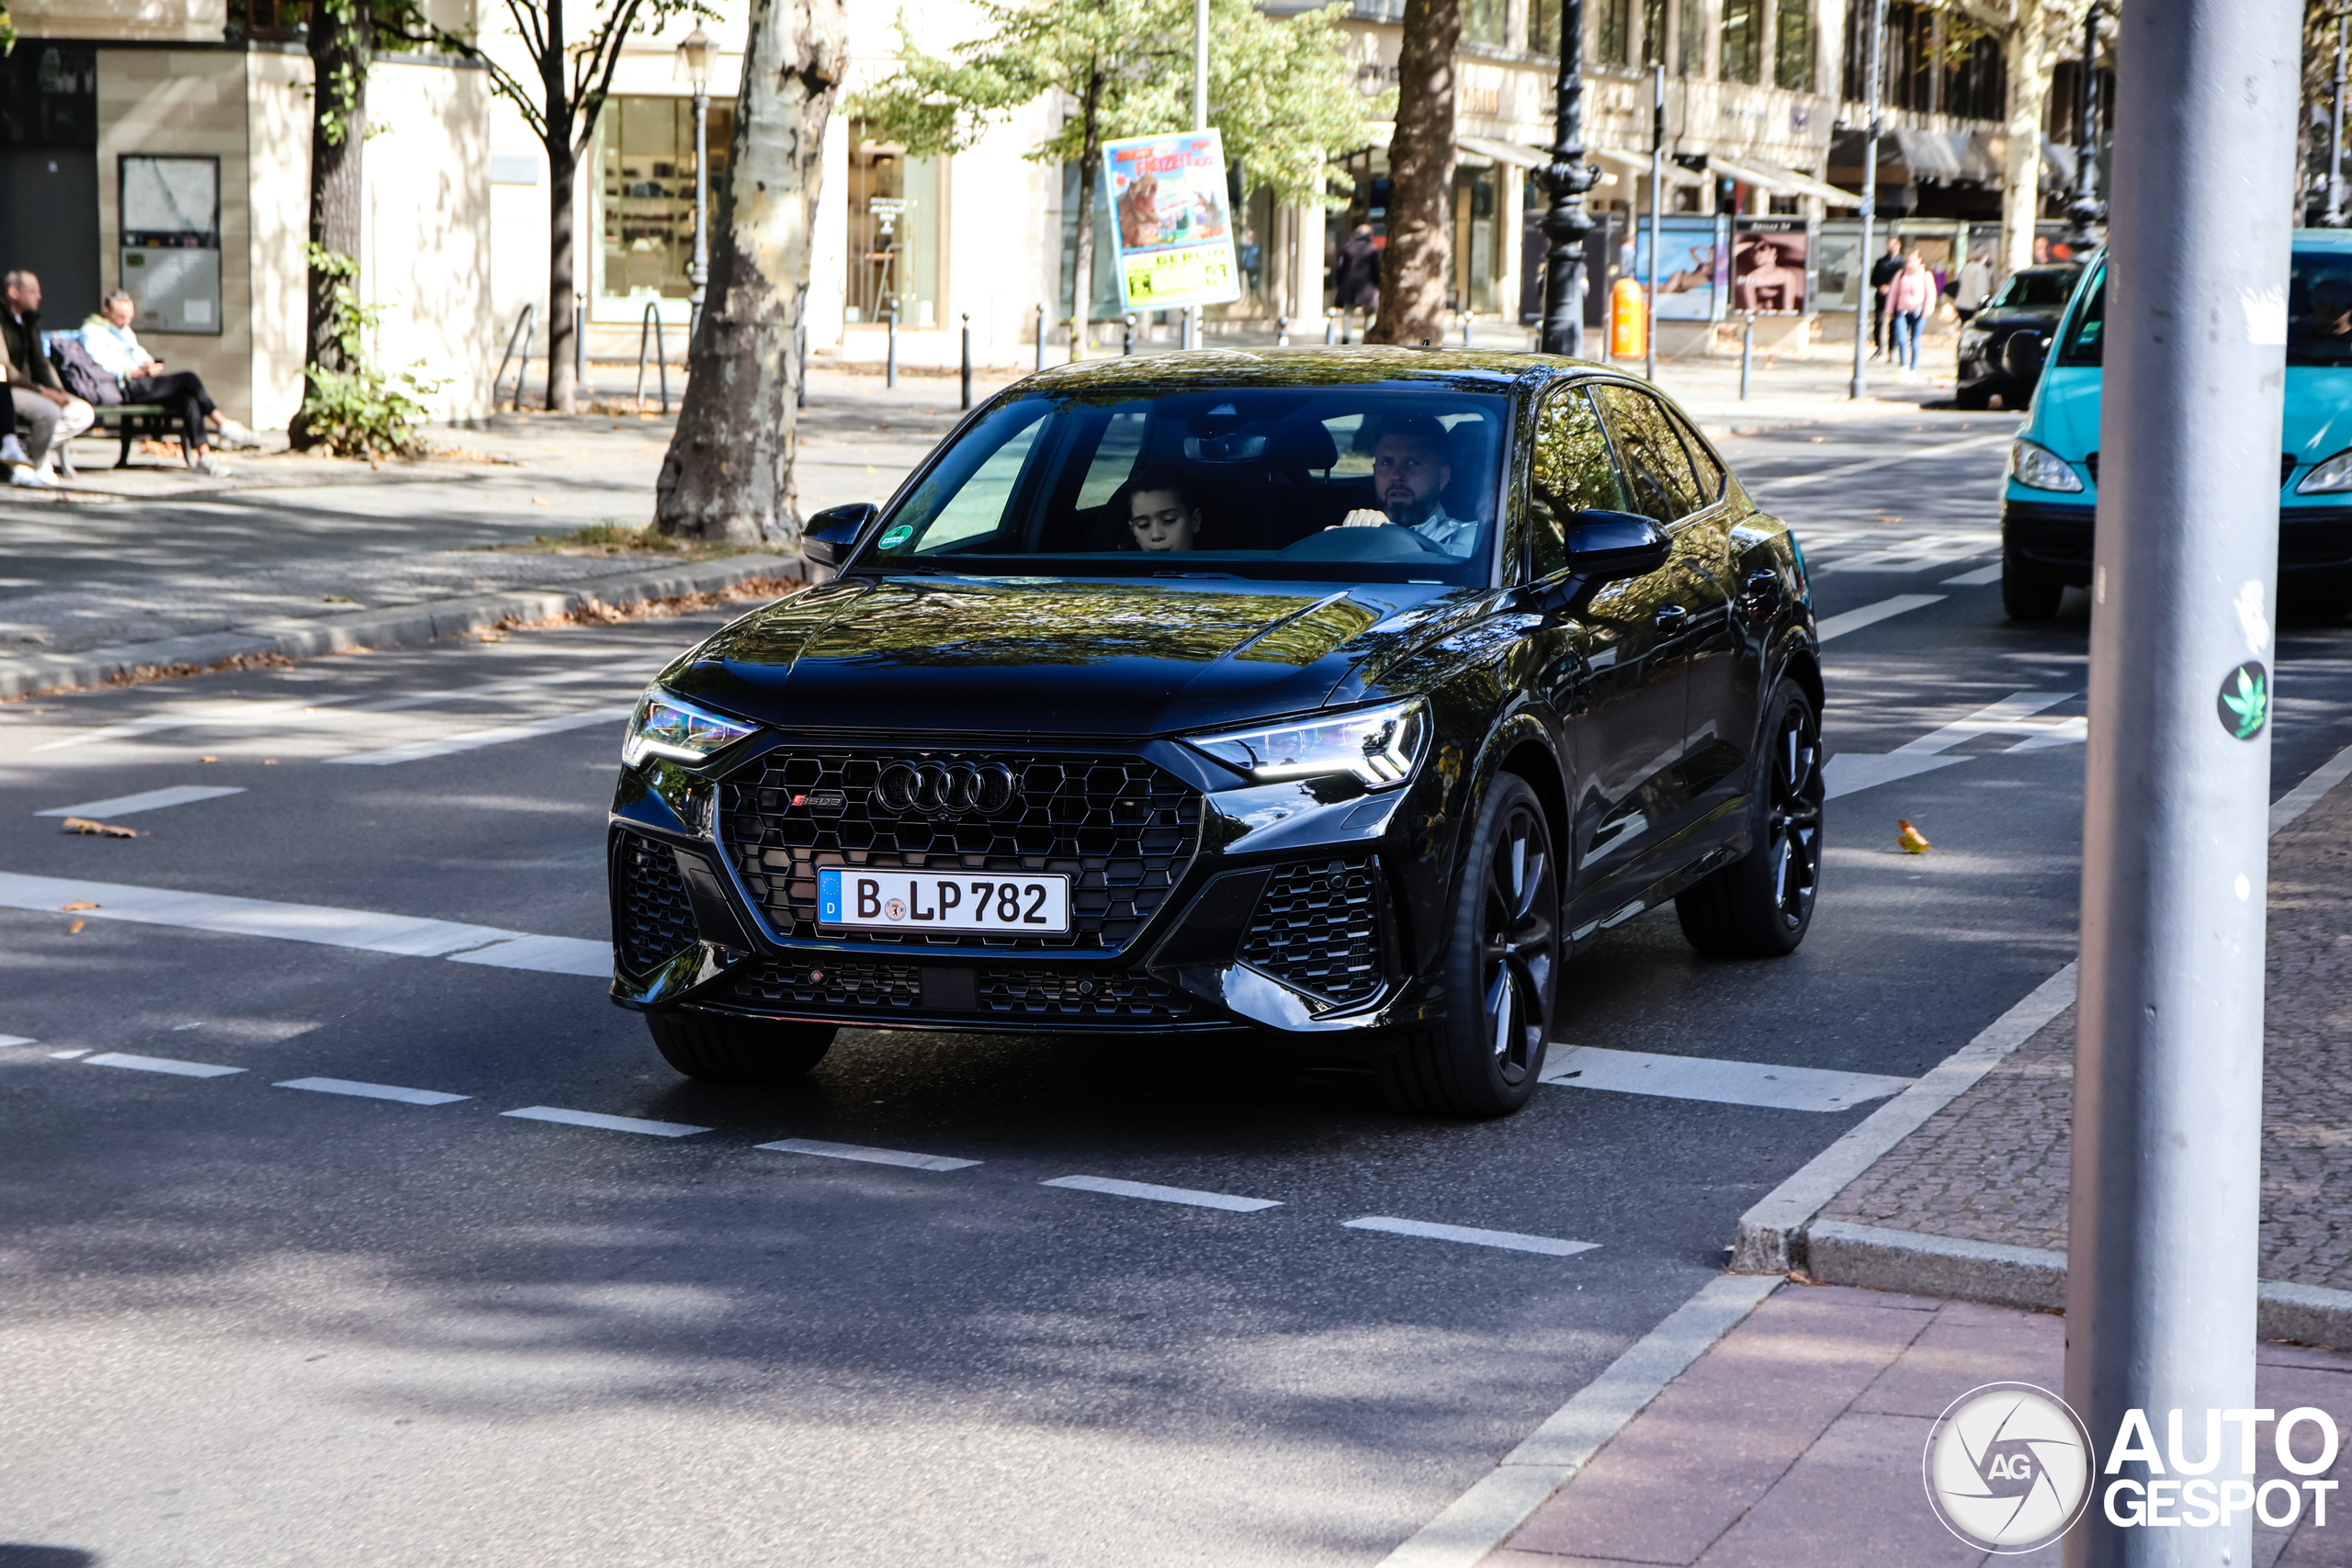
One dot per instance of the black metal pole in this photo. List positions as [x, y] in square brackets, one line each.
[2085, 209]
[968, 359]
[1568, 177]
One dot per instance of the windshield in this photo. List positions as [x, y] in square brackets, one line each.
[2319, 309]
[2047, 288]
[2085, 334]
[1352, 483]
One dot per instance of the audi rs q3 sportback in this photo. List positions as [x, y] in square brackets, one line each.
[1334, 697]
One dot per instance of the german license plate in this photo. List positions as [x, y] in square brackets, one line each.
[851, 899]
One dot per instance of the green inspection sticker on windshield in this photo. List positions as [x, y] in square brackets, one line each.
[2244, 704]
[893, 538]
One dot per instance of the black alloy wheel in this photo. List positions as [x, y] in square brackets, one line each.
[1501, 970]
[1761, 904]
[716, 1048]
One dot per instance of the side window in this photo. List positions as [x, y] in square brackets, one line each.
[1702, 460]
[1573, 473]
[1657, 471]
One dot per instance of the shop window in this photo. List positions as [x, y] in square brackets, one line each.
[1482, 22]
[1476, 247]
[646, 194]
[1792, 46]
[893, 232]
[1616, 23]
[1543, 26]
[1743, 39]
[1653, 33]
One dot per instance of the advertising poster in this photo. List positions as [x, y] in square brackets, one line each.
[1693, 266]
[1768, 266]
[1175, 227]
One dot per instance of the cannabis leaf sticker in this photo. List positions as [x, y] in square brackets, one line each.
[2244, 703]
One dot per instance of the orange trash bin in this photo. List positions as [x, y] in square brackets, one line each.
[1629, 322]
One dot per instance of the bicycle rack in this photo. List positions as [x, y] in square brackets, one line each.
[652, 323]
[525, 326]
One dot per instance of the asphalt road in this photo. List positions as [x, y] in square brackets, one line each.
[251, 1324]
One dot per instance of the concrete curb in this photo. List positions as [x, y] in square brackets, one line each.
[1923, 1265]
[308, 636]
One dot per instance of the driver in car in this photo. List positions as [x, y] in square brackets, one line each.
[1412, 466]
[1161, 515]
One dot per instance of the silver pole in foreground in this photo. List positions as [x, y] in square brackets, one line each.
[2162, 1248]
[1864, 297]
[1200, 122]
[2334, 218]
[1657, 206]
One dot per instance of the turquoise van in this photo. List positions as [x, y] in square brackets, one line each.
[2052, 488]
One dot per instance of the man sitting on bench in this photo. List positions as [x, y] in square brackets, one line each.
[106, 337]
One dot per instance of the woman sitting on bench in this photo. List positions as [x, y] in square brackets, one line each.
[106, 337]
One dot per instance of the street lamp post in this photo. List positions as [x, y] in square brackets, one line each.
[1865, 297]
[2084, 208]
[693, 55]
[1568, 177]
[2334, 218]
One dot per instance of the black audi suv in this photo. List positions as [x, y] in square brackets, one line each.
[2029, 300]
[1336, 696]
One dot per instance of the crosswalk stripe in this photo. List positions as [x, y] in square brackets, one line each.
[604, 1123]
[372, 1091]
[159, 1065]
[1118, 1188]
[1870, 615]
[1717, 1079]
[1470, 1236]
[146, 800]
[475, 740]
[869, 1156]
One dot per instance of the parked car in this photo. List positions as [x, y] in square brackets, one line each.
[1334, 695]
[2029, 300]
[2050, 501]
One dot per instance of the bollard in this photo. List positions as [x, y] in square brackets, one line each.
[968, 359]
[891, 359]
[579, 340]
[1330, 328]
[1746, 352]
[1041, 335]
[1127, 335]
[1282, 332]
[1466, 329]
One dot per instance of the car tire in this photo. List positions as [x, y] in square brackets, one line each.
[1761, 906]
[2023, 599]
[1501, 971]
[713, 1048]
[1973, 397]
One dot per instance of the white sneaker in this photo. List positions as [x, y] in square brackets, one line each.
[30, 479]
[232, 433]
[12, 450]
[210, 465]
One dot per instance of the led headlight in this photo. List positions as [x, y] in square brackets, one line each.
[1377, 746]
[2037, 468]
[2330, 478]
[665, 725]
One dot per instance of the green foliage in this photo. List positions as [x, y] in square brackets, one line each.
[7, 32]
[361, 412]
[1280, 91]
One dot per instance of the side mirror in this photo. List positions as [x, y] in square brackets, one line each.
[2023, 355]
[830, 534]
[1607, 547]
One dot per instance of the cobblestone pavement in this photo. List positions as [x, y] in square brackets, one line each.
[1992, 1166]
[1797, 1439]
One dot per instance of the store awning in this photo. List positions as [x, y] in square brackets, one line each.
[1511, 153]
[1788, 182]
[1638, 165]
[1518, 155]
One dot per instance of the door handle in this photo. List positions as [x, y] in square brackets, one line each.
[1672, 618]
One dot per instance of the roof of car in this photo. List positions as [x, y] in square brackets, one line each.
[1365, 365]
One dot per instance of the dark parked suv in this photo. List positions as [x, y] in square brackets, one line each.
[1336, 696]
[2029, 300]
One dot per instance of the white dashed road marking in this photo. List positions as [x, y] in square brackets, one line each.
[1117, 1189]
[1711, 1079]
[871, 1157]
[147, 800]
[474, 740]
[68, 1055]
[2019, 713]
[7, 1040]
[1977, 578]
[606, 1124]
[1870, 615]
[157, 1065]
[408, 936]
[1911, 454]
[373, 1091]
[1510, 1241]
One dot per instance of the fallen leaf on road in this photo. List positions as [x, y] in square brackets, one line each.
[1910, 839]
[75, 929]
[338, 599]
[539, 500]
[207, 759]
[78, 904]
[98, 830]
[269, 762]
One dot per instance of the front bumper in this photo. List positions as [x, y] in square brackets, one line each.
[2041, 542]
[1291, 907]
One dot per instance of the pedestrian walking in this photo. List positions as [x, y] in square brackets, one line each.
[1355, 277]
[1971, 287]
[1910, 297]
[1883, 275]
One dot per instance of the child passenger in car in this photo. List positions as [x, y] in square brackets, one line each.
[1162, 516]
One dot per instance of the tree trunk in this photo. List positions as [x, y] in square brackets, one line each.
[564, 175]
[729, 471]
[2027, 50]
[340, 49]
[1081, 282]
[1420, 174]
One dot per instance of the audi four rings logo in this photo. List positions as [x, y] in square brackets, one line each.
[947, 789]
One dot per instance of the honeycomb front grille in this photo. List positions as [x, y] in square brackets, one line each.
[868, 987]
[1120, 829]
[1048, 993]
[1318, 927]
[1006, 992]
[652, 922]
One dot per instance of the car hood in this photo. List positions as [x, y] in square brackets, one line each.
[2318, 413]
[2042, 317]
[1057, 656]
[2065, 411]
